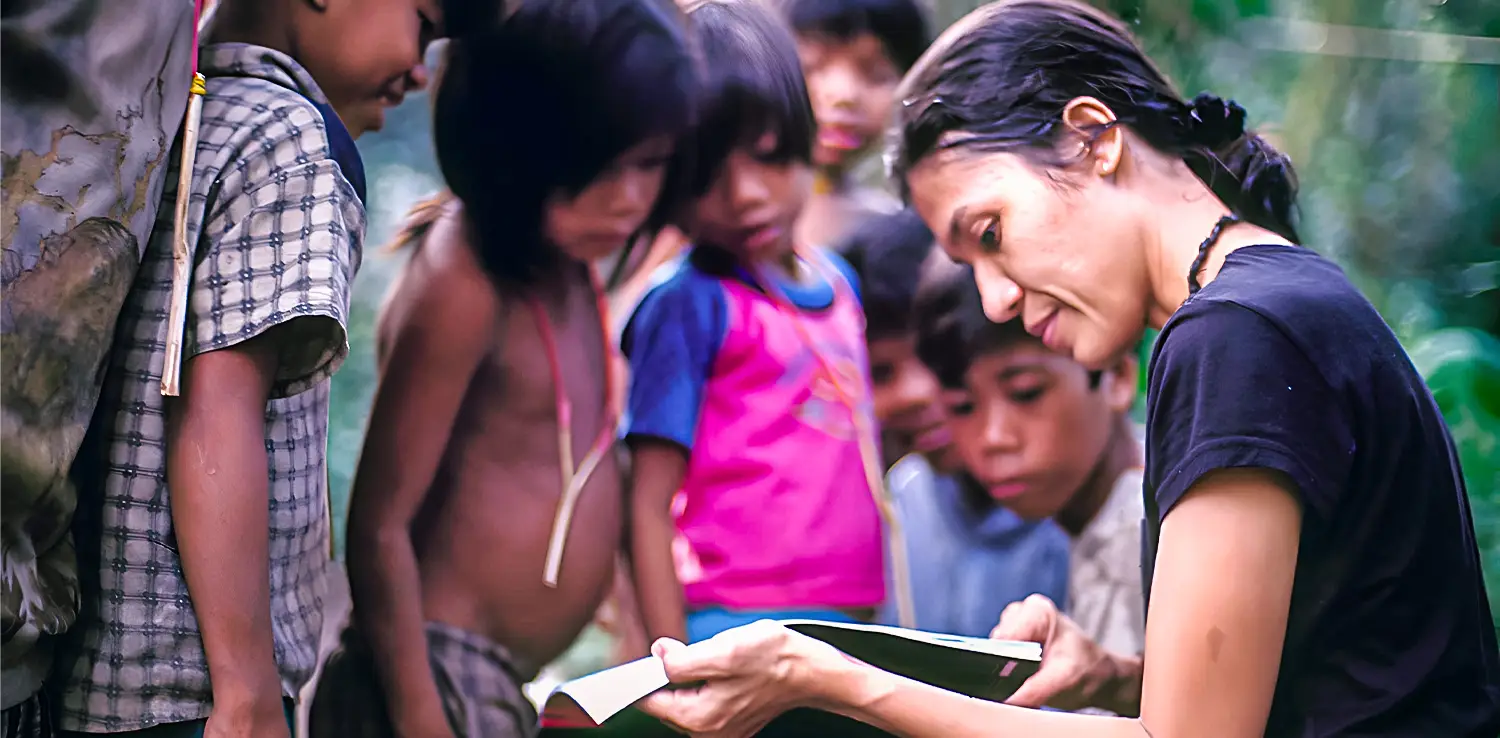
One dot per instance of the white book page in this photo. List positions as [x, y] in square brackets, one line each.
[604, 693]
[1018, 650]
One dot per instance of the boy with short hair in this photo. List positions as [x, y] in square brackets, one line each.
[969, 557]
[1047, 438]
[203, 529]
[853, 53]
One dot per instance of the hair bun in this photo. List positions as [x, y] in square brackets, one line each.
[1215, 121]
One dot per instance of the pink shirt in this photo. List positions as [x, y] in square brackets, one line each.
[775, 511]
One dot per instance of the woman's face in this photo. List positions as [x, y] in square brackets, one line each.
[1061, 249]
[599, 220]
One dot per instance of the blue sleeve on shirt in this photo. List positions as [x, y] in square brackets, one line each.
[843, 267]
[671, 342]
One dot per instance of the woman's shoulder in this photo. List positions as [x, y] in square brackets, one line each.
[1286, 304]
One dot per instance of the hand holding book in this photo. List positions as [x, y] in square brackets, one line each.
[761, 674]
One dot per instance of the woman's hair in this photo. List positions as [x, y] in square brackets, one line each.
[753, 86]
[544, 100]
[886, 253]
[999, 79]
[900, 25]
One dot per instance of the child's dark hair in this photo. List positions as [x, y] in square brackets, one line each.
[887, 253]
[753, 86]
[1001, 77]
[900, 25]
[543, 101]
[952, 329]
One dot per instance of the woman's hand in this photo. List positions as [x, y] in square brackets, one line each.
[1076, 672]
[746, 678]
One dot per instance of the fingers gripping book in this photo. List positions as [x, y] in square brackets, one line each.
[977, 667]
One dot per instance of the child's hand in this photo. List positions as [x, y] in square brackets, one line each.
[1075, 671]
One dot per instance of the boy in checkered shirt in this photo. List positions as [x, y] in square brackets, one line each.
[202, 527]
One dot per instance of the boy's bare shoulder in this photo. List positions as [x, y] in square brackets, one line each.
[444, 289]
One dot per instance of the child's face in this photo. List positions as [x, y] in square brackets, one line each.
[752, 204]
[366, 54]
[599, 220]
[907, 403]
[852, 84]
[1030, 429]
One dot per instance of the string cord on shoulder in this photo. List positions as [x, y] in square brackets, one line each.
[1204, 248]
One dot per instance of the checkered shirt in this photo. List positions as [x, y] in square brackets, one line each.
[278, 239]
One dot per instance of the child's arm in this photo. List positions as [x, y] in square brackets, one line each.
[216, 464]
[672, 342]
[266, 311]
[428, 364]
[659, 469]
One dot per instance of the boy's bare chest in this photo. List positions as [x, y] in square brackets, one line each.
[547, 355]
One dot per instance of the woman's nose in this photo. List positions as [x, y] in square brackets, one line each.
[1001, 296]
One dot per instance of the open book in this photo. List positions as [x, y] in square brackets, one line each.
[977, 667]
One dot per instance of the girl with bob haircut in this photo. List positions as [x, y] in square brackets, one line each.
[749, 398]
[1311, 562]
[487, 509]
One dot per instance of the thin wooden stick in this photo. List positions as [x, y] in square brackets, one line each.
[182, 253]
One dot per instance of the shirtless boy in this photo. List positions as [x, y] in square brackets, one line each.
[492, 352]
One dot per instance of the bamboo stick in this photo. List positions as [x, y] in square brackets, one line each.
[182, 253]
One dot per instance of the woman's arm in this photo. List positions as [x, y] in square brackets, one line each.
[1213, 642]
[1222, 588]
[431, 356]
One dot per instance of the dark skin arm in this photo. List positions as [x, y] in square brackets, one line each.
[425, 372]
[219, 488]
[657, 469]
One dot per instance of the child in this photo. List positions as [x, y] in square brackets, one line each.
[969, 556]
[1046, 438]
[853, 53]
[491, 439]
[203, 603]
[748, 372]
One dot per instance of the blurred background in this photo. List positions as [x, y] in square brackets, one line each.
[1390, 110]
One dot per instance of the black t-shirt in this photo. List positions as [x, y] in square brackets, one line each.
[1280, 363]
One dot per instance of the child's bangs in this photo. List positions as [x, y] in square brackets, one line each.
[647, 90]
[754, 87]
[899, 24]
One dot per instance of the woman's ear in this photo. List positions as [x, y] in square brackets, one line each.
[1094, 124]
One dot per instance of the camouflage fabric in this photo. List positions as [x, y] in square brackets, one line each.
[93, 95]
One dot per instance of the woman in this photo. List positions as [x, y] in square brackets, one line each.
[1315, 571]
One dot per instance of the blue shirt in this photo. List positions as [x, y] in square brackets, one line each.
[969, 560]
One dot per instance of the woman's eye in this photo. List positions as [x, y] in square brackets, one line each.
[961, 408]
[989, 238]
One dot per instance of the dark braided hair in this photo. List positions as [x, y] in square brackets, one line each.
[1003, 75]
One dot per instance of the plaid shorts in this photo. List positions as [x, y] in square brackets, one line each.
[477, 679]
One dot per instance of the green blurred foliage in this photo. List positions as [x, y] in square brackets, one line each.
[1395, 134]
